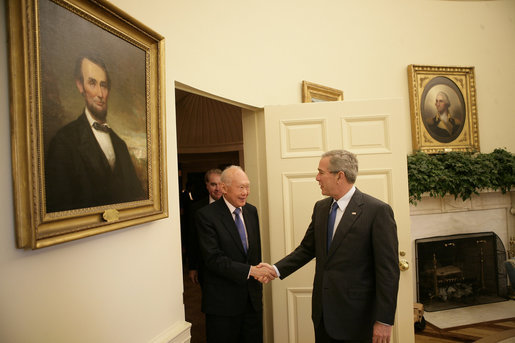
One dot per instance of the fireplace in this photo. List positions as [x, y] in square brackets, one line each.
[460, 270]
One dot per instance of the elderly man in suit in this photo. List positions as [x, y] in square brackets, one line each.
[230, 244]
[353, 237]
[87, 163]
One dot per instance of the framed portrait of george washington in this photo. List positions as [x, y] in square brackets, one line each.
[87, 120]
[443, 108]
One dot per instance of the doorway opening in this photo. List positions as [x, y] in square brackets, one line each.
[209, 135]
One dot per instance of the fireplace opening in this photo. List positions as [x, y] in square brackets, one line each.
[460, 270]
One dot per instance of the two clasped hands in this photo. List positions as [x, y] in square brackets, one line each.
[263, 272]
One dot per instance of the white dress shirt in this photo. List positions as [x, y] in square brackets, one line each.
[342, 205]
[103, 139]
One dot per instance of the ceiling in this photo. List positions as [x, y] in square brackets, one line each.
[206, 125]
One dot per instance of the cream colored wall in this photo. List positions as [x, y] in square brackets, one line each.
[126, 286]
[258, 52]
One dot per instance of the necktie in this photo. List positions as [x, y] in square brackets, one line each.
[241, 228]
[100, 127]
[330, 224]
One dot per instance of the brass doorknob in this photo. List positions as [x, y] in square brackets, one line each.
[403, 265]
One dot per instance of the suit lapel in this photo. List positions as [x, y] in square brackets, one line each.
[352, 212]
[118, 147]
[251, 230]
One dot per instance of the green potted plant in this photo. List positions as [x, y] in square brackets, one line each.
[459, 173]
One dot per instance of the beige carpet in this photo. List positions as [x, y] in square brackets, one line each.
[471, 314]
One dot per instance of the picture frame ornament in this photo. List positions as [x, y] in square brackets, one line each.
[312, 92]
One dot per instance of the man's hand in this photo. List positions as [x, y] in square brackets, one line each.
[382, 333]
[269, 267]
[193, 274]
[263, 272]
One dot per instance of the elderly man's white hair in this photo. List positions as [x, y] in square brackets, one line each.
[445, 98]
[228, 173]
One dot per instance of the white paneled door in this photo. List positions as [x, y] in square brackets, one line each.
[295, 137]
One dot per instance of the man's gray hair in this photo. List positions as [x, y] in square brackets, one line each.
[228, 173]
[345, 161]
[211, 171]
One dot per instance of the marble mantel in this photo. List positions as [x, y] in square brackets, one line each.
[490, 211]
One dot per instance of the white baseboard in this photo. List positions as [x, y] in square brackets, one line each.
[179, 332]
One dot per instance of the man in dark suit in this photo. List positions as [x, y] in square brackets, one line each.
[355, 245]
[230, 244]
[87, 163]
[214, 189]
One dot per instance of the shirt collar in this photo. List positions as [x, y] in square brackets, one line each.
[344, 200]
[231, 207]
[91, 120]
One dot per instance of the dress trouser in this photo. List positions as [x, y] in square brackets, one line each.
[321, 336]
[242, 328]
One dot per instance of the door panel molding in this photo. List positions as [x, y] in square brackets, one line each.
[367, 134]
[299, 303]
[303, 138]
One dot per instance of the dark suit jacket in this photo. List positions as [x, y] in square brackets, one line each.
[356, 281]
[192, 248]
[226, 286]
[78, 175]
[441, 134]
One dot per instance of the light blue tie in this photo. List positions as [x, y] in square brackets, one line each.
[330, 224]
[241, 228]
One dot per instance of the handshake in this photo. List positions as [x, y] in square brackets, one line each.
[263, 272]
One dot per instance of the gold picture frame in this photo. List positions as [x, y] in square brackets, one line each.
[443, 108]
[66, 56]
[311, 92]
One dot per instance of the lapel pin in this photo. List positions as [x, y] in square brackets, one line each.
[353, 213]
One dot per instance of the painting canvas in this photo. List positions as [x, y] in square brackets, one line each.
[64, 49]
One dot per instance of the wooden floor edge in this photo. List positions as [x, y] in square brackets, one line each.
[497, 337]
[475, 324]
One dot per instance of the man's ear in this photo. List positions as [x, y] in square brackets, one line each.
[341, 176]
[80, 86]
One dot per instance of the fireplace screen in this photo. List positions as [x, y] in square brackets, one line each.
[460, 270]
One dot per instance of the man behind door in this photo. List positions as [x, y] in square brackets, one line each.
[214, 189]
[354, 239]
[230, 246]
